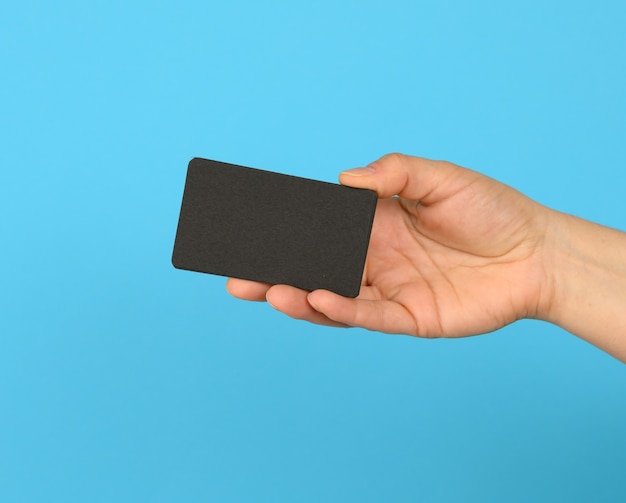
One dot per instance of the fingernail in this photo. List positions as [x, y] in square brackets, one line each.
[367, 170]
[269, 302]
[313, 305]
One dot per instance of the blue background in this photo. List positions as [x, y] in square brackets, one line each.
[122, 379]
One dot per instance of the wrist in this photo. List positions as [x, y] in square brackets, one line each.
[548, 232]
[558, 252]
[586, 281]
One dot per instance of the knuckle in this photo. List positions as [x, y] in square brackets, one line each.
[393, 158]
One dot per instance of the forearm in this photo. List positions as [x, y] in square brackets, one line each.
[587, 267]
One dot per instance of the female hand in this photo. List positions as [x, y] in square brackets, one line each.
[452, 253]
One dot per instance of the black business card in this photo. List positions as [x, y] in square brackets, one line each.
[280, 229]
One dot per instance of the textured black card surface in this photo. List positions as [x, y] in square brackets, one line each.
[280, 229]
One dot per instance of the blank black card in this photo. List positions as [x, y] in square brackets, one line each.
[274, 228]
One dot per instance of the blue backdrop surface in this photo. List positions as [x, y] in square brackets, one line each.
[122, 379]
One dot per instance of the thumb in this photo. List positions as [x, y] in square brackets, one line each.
[406, 176]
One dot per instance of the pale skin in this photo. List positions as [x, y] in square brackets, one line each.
[454, 253]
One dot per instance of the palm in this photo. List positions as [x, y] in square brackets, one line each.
[459, 279]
